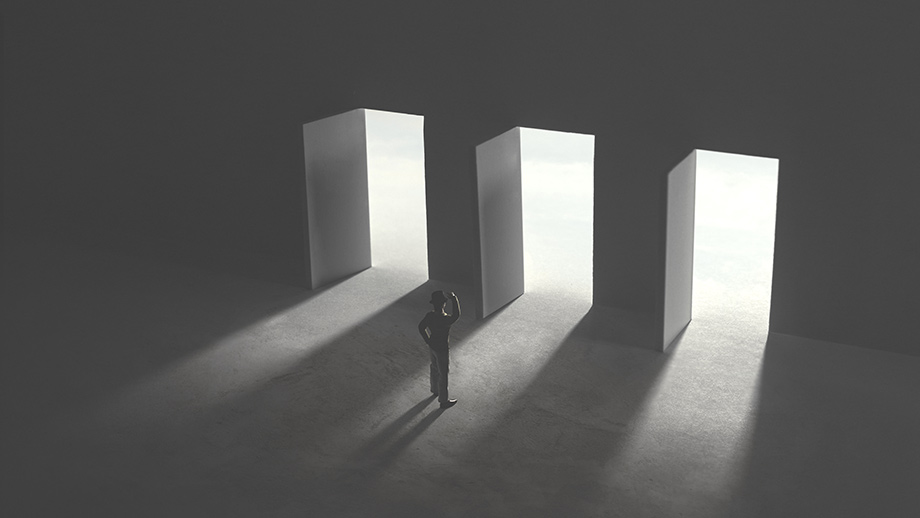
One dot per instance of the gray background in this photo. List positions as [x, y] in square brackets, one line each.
[177, 127]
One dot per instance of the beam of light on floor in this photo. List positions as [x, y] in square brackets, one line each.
[490, 368]
[721, 351]
[245, 358]
[248, 357]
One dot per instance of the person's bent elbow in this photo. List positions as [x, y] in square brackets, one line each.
[455, 315]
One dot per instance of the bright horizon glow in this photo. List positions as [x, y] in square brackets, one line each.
[557, 184]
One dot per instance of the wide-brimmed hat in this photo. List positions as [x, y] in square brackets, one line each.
[437, 297]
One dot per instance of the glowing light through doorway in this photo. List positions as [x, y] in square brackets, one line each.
[557, 185]
[734, 233]
[396, 191]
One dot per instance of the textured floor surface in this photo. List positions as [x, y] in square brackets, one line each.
[133, 388]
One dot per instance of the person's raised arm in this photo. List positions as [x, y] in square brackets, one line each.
[455, 314]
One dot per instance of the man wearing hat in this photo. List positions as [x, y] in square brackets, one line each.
[435, 330]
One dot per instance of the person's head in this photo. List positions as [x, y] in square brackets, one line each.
[438, 299]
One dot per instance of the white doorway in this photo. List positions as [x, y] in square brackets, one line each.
[396, 191]
[365, 195]
[720, 225]
[535, 212]
[557, 184]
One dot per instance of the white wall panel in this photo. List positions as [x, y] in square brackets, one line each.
[338, 225]
[501, 235]
[678, 274]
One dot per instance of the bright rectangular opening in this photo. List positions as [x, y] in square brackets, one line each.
[396, 191]
[557, 189]
[735, 222]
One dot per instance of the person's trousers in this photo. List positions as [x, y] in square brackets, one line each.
[440, 360]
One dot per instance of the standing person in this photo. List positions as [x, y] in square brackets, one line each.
[435, 330]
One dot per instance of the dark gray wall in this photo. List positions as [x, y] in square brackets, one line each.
[180, 123]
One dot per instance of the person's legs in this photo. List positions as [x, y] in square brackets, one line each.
[443, 361]
[434, 374]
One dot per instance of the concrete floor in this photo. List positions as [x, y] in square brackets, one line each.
[137, 388]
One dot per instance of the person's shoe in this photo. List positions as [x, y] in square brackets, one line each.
[449, 403]
[435, 394]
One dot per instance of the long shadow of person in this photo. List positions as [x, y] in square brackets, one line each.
[372, 460]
